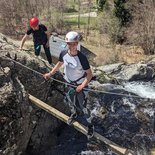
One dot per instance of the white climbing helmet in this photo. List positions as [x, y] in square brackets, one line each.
[72, 36]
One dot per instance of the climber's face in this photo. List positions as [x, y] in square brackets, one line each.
[72, 46]
[35, 28]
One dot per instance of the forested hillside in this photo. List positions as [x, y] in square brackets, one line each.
[118, 22]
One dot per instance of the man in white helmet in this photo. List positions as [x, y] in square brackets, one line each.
[77, 71]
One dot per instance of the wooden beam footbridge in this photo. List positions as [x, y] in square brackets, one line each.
[83, 129]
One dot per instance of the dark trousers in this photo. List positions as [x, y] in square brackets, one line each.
[78, 102]
[37, 49]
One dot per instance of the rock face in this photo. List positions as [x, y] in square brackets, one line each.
[23, 126]
[15, 121]
[132, 72]
[119, 114]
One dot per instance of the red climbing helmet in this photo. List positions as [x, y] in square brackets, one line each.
[34, 22]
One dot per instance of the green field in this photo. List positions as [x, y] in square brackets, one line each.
[83, 22]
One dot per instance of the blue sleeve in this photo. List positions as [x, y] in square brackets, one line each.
[84, 61]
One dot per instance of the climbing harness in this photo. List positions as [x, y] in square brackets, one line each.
[75, 82]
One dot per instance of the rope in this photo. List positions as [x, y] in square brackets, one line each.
[87, 89]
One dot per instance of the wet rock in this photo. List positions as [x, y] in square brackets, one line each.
[132, 72]
[118, 114]
[23, 126]
[13, 116]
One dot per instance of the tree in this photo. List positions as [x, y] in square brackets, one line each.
[14, 21]
[142, 30]
[89, 10]
[121, 12]
[79, 11]
[100, 4]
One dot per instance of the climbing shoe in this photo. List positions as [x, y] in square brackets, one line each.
[90, 132]
[71, 119]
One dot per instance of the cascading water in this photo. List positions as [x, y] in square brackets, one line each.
[142, 89]
[129, 121]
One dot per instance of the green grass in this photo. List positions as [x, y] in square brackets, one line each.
[74, 21]
[83, 21]
[70, 13]
[73, 4]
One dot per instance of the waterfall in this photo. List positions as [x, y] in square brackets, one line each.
[142, 89]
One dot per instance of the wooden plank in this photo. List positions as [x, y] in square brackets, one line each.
[118, 149]
[152, 152]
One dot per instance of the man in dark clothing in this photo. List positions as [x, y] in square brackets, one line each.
[40, 37]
